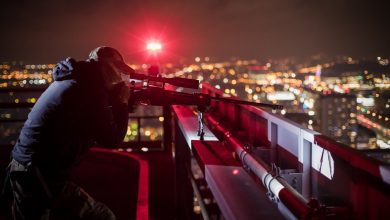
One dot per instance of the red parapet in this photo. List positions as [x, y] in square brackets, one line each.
[123, 178]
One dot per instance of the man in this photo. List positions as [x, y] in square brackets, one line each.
[86, 105]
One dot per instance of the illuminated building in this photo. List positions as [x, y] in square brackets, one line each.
[337, 117]
[382, 103]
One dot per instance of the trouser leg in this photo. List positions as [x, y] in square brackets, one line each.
[30, 203]
[70, 202]
[75, 203]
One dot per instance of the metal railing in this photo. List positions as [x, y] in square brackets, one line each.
[318, 159]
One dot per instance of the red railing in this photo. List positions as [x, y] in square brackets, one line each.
[345, 181]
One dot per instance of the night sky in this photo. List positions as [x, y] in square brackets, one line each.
[44, 31]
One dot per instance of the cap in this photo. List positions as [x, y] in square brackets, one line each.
[111, 55]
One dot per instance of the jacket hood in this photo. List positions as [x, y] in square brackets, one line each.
[65, 69]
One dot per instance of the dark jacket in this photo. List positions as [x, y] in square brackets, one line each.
[73, 114]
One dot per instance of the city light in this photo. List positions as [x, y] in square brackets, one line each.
[299, 89]
[291, 118]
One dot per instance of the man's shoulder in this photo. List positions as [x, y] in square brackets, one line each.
[87, 71]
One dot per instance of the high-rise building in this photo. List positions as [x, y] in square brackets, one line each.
[337, 117]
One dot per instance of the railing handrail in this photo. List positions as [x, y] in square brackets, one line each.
[372, 166]
[308, 146]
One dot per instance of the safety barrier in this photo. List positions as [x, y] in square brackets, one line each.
[327, 169]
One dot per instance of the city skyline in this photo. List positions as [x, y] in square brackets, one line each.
[343, 99]
[48, 31]
[282, 105]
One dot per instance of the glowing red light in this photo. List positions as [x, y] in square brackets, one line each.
[154, 46]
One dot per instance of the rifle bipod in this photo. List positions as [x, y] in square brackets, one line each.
[200, 126]
[201, 109]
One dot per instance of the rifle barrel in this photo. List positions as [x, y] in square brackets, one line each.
[176, 81]
[234, 101]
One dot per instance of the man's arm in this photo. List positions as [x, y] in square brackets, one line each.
[111, 117]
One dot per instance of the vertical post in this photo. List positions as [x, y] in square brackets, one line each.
[184, 192]
[274, 142]
[306, 170]
[167, 124]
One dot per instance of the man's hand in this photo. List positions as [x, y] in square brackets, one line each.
[120, 93]
[124, 93]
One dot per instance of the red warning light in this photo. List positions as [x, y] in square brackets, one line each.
[154, 46]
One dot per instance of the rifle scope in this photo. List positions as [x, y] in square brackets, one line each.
[175, 81]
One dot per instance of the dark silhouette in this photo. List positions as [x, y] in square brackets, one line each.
[86, 105]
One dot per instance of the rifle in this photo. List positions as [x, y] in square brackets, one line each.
[153, 92]
[161, 97]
